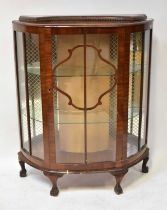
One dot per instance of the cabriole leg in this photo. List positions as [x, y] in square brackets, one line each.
[23, 172]
[144, 165]
[119, 176]
[53, 178]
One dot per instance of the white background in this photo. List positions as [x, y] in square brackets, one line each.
[84, 191]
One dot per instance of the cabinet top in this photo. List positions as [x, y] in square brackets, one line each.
[82, 20]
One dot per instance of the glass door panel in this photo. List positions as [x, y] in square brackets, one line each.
[85, 97]
[68, 67]
[101, 66]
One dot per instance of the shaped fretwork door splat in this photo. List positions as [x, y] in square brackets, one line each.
[88, 64]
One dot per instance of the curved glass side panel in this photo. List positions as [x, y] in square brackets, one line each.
[22, 91]
[135, 85]
[34, 94]
[145, 86]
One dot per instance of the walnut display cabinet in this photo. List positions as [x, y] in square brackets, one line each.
[83, 94]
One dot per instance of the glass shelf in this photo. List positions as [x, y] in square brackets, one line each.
[68, 71]
[65, 72]
[93, 117]
[97, 116]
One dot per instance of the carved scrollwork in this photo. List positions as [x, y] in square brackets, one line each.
[70, 52]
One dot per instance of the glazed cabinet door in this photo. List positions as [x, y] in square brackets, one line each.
[85, 97]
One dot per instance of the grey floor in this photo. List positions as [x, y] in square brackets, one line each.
[93, 191]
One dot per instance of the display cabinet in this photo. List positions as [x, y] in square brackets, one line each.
[83, 93]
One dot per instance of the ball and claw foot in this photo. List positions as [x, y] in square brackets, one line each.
[119, 176]
[118, 189]
[23, 172]
[53, 178]
[145, 168]
[54, 191]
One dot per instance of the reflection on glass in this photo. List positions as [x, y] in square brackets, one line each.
[70, 143]
[145, 86]
[22, 89]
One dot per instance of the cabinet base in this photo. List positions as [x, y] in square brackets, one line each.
[118, 173]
